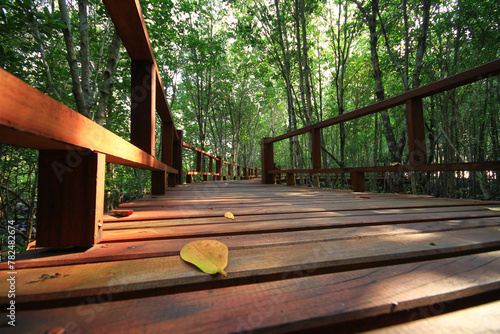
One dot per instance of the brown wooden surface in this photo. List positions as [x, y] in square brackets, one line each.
[70, 198]
[299, 259]
[38, 121]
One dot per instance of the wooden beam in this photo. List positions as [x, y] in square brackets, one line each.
[29, 118]
[316, 148]
[267, 156]
[218, 167]
[463, 166]
[70, 198]
[177, 160]
[143, 106]
[129, 22]
[475, 74]
[416, 132]
[358, 181]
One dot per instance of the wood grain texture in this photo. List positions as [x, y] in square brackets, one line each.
[323, 257]
[288, 304]
[170, 273]
[480, 319]
[144, 248]
[40, 121]
[70, 198]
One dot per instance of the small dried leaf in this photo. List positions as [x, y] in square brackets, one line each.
[57, 330]
[229, 215]
[492, 209]
[364, 197]
[123, 213]
[209, 255]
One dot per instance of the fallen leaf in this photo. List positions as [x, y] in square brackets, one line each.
[364, 197]
[123, 213]
[57, 330]
[229, 215]
[492, 209]
[208, 255]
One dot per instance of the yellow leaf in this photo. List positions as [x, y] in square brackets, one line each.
[229, 215]
[208, 255]
[492, 209]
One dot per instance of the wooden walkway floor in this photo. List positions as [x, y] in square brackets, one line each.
[299, 259]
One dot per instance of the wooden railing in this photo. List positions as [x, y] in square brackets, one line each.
[241, 172]
[74, 149]
[415, 130]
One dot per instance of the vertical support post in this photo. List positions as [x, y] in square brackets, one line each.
[159, 178]
[174, 179]
[316, 148]
[358, 181]
[189, 178]
[70, 198]
[416, 132]
[199, 158]
[256, 173]
[290, 179]
[143, 106]
[267, 156]
[211, 167]
[230, 171]
[245, 173]
[218, 167]
[238, 172]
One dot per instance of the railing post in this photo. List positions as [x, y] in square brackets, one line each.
[70, 198]
[211, 167]
[290, 179]
[316, 148]
[159, 178]
[174, 179]
[267, 156]
[218, 167]
[245, 173]
[238, 171]
[358, 181]
[143, 106]
[416, 132]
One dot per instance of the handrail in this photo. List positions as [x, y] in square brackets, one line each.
[415, 129]
[218, 174]
[73, 149]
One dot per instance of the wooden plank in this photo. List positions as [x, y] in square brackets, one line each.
[480, 319]
[32, 113]
[211, 230]
[81, 281]
[70, 198]
[472, 75]
[281, 306]
[103, 252]
[419, 214]
[205, 211]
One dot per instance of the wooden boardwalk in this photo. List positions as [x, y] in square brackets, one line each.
[299, 259]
